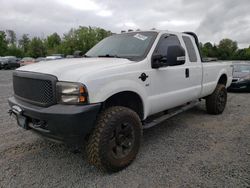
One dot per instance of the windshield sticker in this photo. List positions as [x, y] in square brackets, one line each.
[141, 37]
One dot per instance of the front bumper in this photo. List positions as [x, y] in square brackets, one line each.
[240, 86]
[66, 123]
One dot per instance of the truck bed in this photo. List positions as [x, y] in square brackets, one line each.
[212, 70]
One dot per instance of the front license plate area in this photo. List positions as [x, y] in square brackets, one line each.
[22, 121]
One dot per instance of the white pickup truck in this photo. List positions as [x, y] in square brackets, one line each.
[125, 83]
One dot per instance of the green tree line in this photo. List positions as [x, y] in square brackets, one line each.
[83, 38]
[227, 49]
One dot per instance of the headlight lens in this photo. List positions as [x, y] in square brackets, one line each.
[71, 93]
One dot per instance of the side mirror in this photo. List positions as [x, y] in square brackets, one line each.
[175, 56]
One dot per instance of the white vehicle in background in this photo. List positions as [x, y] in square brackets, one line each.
[54, 57]
[40, 59]
[26, 61]
[125, 83]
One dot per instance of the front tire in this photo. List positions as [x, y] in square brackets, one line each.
[216, 102]
[115, 141]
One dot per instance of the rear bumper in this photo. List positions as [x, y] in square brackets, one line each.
[66, 123]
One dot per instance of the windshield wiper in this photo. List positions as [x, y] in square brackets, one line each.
[109, 55]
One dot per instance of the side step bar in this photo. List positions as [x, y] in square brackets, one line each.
[169, 115]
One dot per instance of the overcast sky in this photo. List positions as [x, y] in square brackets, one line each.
[212, 20]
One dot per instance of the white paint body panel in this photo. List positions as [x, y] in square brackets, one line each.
[165, 88]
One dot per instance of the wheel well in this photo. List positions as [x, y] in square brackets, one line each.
[223, 80]
[127, 99]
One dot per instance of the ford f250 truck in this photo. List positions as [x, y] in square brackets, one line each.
[125, 83]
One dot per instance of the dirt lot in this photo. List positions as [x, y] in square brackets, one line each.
[193, 149]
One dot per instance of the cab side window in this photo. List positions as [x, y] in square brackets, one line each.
[165, 42]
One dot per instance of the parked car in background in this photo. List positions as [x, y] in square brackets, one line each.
[9, 62]
[69, 56]
[52, 57]
[241, 77]
[78, 54]
[27, 61]
[2, 62]
[40, 59]
[59, 55]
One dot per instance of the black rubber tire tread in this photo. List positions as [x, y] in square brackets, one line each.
[96, 152]
[211, 100]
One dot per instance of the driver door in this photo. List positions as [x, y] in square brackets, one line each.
[170, 84]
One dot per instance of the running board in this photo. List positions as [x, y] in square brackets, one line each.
[169, 115]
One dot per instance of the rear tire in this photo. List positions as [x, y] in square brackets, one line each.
[115, 141]
[216, 102]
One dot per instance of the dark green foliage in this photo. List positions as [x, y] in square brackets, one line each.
[24, 44]
[11, 37]
[226, 50]
[3, 43]
[52, 43]
[14, 51]
[36, 48]
[81, 39]
[53, 40]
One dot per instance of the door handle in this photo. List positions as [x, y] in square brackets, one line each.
[187, 73]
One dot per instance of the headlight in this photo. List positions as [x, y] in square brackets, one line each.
[71, 93]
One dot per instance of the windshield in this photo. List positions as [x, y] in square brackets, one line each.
[242, 68]
[133, 46]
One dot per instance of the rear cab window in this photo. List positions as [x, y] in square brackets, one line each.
[190, 49]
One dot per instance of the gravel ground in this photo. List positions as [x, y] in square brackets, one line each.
[193, 149]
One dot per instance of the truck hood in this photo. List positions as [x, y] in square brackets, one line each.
[74, 69]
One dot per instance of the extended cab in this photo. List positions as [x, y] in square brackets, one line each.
[125, 83]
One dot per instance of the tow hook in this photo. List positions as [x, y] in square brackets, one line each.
[18, 113]
[15, 110]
